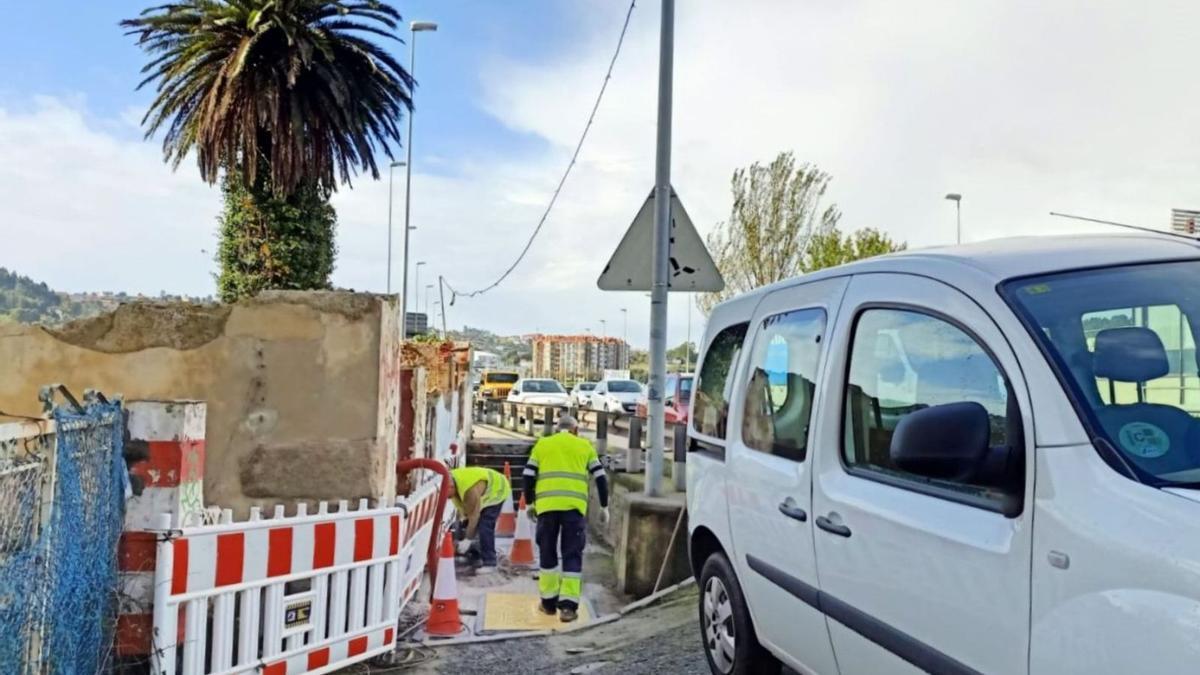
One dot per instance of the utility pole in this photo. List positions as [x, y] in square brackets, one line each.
[660, 253]
[442, 297]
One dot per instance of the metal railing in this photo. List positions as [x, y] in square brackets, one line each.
[538, 420]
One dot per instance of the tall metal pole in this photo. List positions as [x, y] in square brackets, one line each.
[958, 220]
[442, 297]
[661, 254]
[412, 70]
[414, 28]
[391, 180]
[417, 286]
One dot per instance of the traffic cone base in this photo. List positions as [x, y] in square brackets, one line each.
[506, 524]
[443, 615]
[522, 548]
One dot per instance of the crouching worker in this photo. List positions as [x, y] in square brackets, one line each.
[556, 483]
[479, 493]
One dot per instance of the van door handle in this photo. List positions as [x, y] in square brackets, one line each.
[788, 508]
[828, 525]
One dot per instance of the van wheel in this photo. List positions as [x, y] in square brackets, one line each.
[730, 644]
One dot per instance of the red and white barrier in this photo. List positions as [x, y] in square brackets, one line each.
[171, 434]
[286, 595]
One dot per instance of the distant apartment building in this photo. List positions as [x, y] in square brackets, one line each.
[576, 357]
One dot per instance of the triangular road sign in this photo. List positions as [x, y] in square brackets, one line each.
[691, 267]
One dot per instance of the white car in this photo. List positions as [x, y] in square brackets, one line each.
[617, 396]
[539, 392]
[976, 459]
[581, 394]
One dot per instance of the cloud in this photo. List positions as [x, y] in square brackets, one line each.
[1077, 106]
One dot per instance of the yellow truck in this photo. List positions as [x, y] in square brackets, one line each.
[495, 384]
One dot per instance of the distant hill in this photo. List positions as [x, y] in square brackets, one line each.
[27, 301]
[511, 348]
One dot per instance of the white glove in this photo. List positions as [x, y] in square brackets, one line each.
[464, 546]
[604, 516]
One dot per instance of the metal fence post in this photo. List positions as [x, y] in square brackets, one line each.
[679, 465]
[547, 421]
[633, 455]
[529, 421]
[601, 432]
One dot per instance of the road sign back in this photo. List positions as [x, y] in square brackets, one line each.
[691, 267]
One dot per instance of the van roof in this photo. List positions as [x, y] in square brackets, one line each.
[1006, 258]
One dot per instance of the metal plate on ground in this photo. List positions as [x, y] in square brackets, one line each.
[519, 611]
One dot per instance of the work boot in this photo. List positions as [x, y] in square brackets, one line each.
[567, 615]
[486, 569]
[548, 611]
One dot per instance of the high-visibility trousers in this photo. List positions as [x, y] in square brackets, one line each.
[560, 589]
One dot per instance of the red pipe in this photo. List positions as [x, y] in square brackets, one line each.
[435, 538]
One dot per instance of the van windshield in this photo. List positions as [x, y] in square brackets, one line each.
[1123, 338]
[541, 387]
[501, 378]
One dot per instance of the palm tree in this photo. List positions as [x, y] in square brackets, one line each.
[284, 98]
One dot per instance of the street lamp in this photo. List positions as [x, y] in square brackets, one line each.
[417, 284]
[391, 181]
[957, 199]
[415, 27]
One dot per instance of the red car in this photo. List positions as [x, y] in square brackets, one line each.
[678, 398]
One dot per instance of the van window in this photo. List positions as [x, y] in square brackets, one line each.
[902, 361]
[779, 395]
[1121, 340]
[1179, 385]
[711, 408]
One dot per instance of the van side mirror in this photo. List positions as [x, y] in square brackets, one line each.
[669, 402]
[947, 442]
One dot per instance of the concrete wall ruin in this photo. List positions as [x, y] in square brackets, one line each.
[302, 387]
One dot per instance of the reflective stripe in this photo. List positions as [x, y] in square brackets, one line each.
[531, 462]
[598, 471]
[595, 465]
[528, 472]
[573, 575]
[546, 475]
[548, 583]
[563, 493]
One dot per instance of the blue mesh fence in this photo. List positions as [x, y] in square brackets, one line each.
[58, 562]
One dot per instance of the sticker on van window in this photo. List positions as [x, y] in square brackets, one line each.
[1144, 440]
[1037, 289]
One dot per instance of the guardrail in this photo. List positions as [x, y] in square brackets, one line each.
[521, 418]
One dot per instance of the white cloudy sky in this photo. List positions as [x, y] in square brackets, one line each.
[1023, 107]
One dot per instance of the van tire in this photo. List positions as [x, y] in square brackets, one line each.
[718, 581]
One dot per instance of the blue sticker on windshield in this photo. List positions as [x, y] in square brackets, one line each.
[1144, 440]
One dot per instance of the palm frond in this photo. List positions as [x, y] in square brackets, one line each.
[291, 90]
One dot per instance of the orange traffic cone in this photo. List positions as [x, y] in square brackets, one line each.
[443, 616]
[522, 548]
[506, 524]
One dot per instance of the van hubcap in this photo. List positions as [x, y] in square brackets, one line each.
[718, 624]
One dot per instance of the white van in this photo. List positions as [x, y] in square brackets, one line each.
[979, 459]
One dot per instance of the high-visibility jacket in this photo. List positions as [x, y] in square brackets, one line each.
[562, 464]
[468, 477]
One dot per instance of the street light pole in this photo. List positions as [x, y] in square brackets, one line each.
[415, 27]
[622, 363]
[391, 181]
[417, 284]
[660, 254]
[957, 199]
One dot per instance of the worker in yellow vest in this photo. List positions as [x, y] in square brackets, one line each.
[556, 484]
[479, 494]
